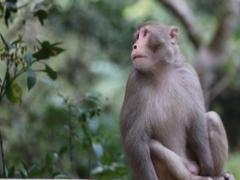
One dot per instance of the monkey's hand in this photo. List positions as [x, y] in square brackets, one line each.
[192, 167]
[225, 176]
[228, 176]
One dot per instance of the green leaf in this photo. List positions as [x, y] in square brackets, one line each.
[56, 50]
[33, 170]
[55, 157]
[41, 14]
[50, 72]
[42, 54]
[13, 91]
[47, 50]
[40, 11]
[28, 57]
[51, 159]
[60, 176]
[11, 6]
[45, 44]
[63, 150]
[98, 149]
[11, 172]
[31, 79]
[23, 173]
[7, 16]
[48, 160]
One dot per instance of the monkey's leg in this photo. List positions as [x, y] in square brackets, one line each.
[175, 165]
[218, 142]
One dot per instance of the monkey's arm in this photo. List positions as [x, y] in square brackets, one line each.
[138, 153]
[199, 144]
[177, 166]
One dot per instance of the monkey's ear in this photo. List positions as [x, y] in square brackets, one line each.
[173, 34]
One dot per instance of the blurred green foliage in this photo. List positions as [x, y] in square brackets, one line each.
[233, 164]
[70, 127]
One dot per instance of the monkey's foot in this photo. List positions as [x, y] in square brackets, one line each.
[228, 176]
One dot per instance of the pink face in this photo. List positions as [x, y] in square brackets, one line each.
[153, 45]
[142, 56]
[140, 44]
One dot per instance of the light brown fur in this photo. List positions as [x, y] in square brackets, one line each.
[165, 129]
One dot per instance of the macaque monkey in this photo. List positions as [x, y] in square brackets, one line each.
[166, 132]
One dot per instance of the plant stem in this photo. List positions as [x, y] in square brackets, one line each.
[70, 136]
[3, 87]
[2, 156]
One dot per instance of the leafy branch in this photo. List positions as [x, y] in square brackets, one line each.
[19, 61]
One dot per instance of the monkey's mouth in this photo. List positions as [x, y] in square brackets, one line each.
[137, 56]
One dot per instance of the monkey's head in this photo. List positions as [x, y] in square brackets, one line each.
[154, 45]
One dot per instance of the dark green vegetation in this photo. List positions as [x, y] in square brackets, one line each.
[63, 69]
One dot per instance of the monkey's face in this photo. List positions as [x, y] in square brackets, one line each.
[153, 46]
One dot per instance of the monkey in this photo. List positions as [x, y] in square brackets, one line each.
[166, 132]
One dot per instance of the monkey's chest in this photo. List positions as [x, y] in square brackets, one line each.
[166, 119]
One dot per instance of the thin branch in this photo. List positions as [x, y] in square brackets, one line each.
[3, 87]
[227, 23]
[2, 156]
[182, 11]
[70, 135]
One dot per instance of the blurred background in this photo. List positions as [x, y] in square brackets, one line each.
[63, 70]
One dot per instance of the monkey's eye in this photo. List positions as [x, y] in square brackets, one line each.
[137, 37]
[145, 32]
